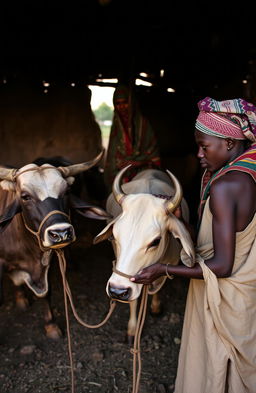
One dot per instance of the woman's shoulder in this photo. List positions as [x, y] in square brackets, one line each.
[233, 176]
[234, 183]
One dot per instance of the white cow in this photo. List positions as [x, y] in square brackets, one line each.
[144, 231]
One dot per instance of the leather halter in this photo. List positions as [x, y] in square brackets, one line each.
[114, 269]
[37, 234]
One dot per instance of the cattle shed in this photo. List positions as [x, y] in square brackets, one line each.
[187, 51]
[201, 50]
[194, 49]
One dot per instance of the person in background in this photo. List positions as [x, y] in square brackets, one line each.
[218, 351]
[132, 139]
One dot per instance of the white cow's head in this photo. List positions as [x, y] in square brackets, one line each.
[144, 233]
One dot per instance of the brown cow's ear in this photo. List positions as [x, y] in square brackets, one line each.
[8, 185]
[178, 229]
[8, 214]
[87, 210]
[93, 212]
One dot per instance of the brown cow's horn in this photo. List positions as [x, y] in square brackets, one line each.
[73, 170]
[116, 188]
[7, 173]
[176, 199]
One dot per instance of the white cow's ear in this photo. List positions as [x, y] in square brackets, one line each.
[70, 180]
[105, 233]
[8, 185]
[178, 229]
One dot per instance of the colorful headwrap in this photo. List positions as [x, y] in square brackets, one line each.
[227, 119]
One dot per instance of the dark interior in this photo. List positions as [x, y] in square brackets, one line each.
[204, 49]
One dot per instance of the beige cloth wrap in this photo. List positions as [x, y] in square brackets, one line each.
[220, 321]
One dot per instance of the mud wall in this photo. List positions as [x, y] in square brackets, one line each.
[34, 123]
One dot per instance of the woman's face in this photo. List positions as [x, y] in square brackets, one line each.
[212, 151]
[121, 105]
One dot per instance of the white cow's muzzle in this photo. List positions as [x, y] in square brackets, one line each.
[120, 288]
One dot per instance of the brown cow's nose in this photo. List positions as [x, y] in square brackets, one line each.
[61, 235]
[120, 293]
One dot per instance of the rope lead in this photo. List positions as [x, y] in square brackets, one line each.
[140, 323]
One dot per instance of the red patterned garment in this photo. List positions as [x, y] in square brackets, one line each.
[132, 139]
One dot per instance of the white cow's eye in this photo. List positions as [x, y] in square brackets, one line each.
[155, 242]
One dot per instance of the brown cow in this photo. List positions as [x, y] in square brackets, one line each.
[35, 220]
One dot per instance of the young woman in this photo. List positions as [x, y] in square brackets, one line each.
[132, 138]
[218, 351]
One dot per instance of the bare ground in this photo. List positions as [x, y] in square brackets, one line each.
[30, 362]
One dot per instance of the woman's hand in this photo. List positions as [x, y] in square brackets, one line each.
[149, 274]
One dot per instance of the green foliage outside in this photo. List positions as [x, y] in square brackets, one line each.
[103, 112]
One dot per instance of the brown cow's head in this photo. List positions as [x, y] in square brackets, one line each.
[41, 195]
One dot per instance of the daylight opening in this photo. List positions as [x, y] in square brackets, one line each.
[102, 107]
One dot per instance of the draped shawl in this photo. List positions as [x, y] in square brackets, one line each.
[136, 145]
[219, 330]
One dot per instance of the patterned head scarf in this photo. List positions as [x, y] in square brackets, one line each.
[227, 119]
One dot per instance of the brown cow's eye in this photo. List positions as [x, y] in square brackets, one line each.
[155, 242]
[111, 237]
[25, 197]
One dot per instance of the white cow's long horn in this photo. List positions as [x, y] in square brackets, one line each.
[7, 173]
[73, 170]
[116, 187]
[176, 199]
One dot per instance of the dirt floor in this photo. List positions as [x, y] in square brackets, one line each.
[30, 362]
